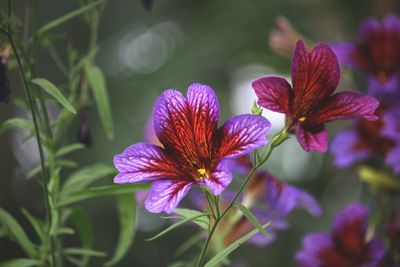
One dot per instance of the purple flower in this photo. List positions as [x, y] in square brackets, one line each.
[194, 148]
[280, 199]
[347, 245]
[377, 54]
[309, 104]
[368, 139]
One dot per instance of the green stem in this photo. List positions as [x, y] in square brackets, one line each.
[277, 140]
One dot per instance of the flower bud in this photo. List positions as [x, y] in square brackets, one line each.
[84, 136]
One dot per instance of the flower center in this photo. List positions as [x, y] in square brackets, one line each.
[201, 172]
[301, 119]
[382, 77]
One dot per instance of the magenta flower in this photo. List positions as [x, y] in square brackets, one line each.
[309, 104]
[194, 148]
[347, 245]
[376, 54]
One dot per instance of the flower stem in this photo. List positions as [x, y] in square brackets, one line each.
[276, 141]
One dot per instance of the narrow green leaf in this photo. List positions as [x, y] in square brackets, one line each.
[16, 123]
[84, 252]
[20, 263]
[54, 23]
[98, 85]
[80, 179]
[65, 231]
[187, 213]
[99, 191]
[15, 232]
[250, 216]
[69, 149]
[37, 224]
[127, 222]
[176, 225]
[82, 224]
[232, 247]
[54, 92]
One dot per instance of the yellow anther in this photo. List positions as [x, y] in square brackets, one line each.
[202, 171]
[302, 119]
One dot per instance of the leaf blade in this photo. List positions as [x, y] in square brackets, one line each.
[250, 216]
[51, 89]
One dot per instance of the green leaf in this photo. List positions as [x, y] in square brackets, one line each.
[37, 224]
[250, 216]
[20, 263]
[69, 149]
[176, 225]
[15, 232]
[54, 92]
[195, 239]
[80, 179]
[378, 180]
[84, 252]
[16, 123]
[98, 86]
[100, 191]
[57, 22]
[232, 247]
[65, 231]
[82, 224]
[187, 213]
[127, 222]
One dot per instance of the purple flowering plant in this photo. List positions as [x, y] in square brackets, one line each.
[193, 167]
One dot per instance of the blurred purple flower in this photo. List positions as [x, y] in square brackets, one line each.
[377, 54]
[367, 139]
[309, 104]
[277, 200]
[194, 148]
[347, 245]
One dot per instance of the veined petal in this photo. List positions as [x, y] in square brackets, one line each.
[273, 93]
[349, 228]
[349, 55]
[346, 105]
[346, 149]
[240, 134]
[312, 140]
[165, 195]
[204, 114]
[144, 162]
[315, 75]
[172, 124]
[219, 179]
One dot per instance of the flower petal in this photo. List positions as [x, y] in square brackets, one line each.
[346, 149]
[369, 29]
[391, 125]
[377, 87]
[312, 140]
[349, 228]
[204, 114]
[219, 179]
[346, 105]
[172, 123]
[273, 93]
[165, 195]
[315, 75]
[144, 162]
[240, 134]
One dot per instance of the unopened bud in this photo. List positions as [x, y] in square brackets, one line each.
[84, 136]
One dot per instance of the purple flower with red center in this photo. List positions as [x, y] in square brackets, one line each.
[194, 149]
[347, 245]
[376, 54]
[310, 102]
[369, 139]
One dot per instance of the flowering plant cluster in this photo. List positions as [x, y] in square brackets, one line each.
[215, 175]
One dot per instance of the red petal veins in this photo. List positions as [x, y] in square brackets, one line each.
[273, 93]
[346, 105]
[240, 134]
[204, 114]
[312, 139]
[172, 124]
[144, 162]
[315, 76]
